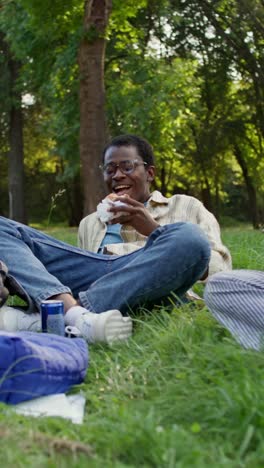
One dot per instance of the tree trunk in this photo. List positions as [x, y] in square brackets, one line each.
[217, 201]
[92, 100]
[252, 195]
[75, 200]
[206, 195]
[16, 182]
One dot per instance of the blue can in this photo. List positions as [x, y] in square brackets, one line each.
[52, 317]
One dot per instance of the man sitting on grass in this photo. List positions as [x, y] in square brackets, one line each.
[176, 253]
[129, 169]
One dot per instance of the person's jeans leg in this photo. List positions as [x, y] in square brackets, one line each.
[44, 266]
[174, 258]
[23, 266]
[236, 300]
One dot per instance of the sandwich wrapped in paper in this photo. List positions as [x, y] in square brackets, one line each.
[102, 209]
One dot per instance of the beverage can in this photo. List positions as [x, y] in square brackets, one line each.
[52, 317]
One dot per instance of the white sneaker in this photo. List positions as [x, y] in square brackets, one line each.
[105, 327]
[12, 320]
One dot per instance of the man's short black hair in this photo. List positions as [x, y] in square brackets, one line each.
[144, 148]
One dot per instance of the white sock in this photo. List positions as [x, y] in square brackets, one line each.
[73, 314]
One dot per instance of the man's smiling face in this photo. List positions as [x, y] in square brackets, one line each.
[135, 184]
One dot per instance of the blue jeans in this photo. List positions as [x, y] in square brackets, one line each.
[173, 259]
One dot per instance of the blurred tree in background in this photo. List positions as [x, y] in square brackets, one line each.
[12, 132]
[188, 76]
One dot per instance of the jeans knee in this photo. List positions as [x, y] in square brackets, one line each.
[185, 241]
[196, 240]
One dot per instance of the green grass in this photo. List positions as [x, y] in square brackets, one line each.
[180, 393]
[247, 247]
[65, 234]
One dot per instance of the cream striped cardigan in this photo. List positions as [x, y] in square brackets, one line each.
[165, 211]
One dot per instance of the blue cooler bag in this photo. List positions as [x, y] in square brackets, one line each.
[38, 364]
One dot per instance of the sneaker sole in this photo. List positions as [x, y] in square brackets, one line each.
[117, 327]
[105, 327]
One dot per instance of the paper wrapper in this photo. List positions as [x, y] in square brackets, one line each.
[102, 210]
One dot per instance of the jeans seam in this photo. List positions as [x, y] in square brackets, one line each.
[85, 301]
[72, 249]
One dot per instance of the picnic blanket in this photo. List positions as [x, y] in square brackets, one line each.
[39, 364]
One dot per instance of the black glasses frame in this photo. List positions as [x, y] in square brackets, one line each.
[135, 163]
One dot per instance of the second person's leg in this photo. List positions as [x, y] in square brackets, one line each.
[236, 300]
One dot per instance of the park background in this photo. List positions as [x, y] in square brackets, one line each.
[186, 75]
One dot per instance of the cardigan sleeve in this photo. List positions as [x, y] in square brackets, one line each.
[220, 255]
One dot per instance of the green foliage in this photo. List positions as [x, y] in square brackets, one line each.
[186, 75]
[217, 107]
[51, 76]
[169, 95]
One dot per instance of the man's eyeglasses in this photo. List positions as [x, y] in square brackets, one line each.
[127, 167]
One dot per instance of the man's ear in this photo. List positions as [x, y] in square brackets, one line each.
[151, 172]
